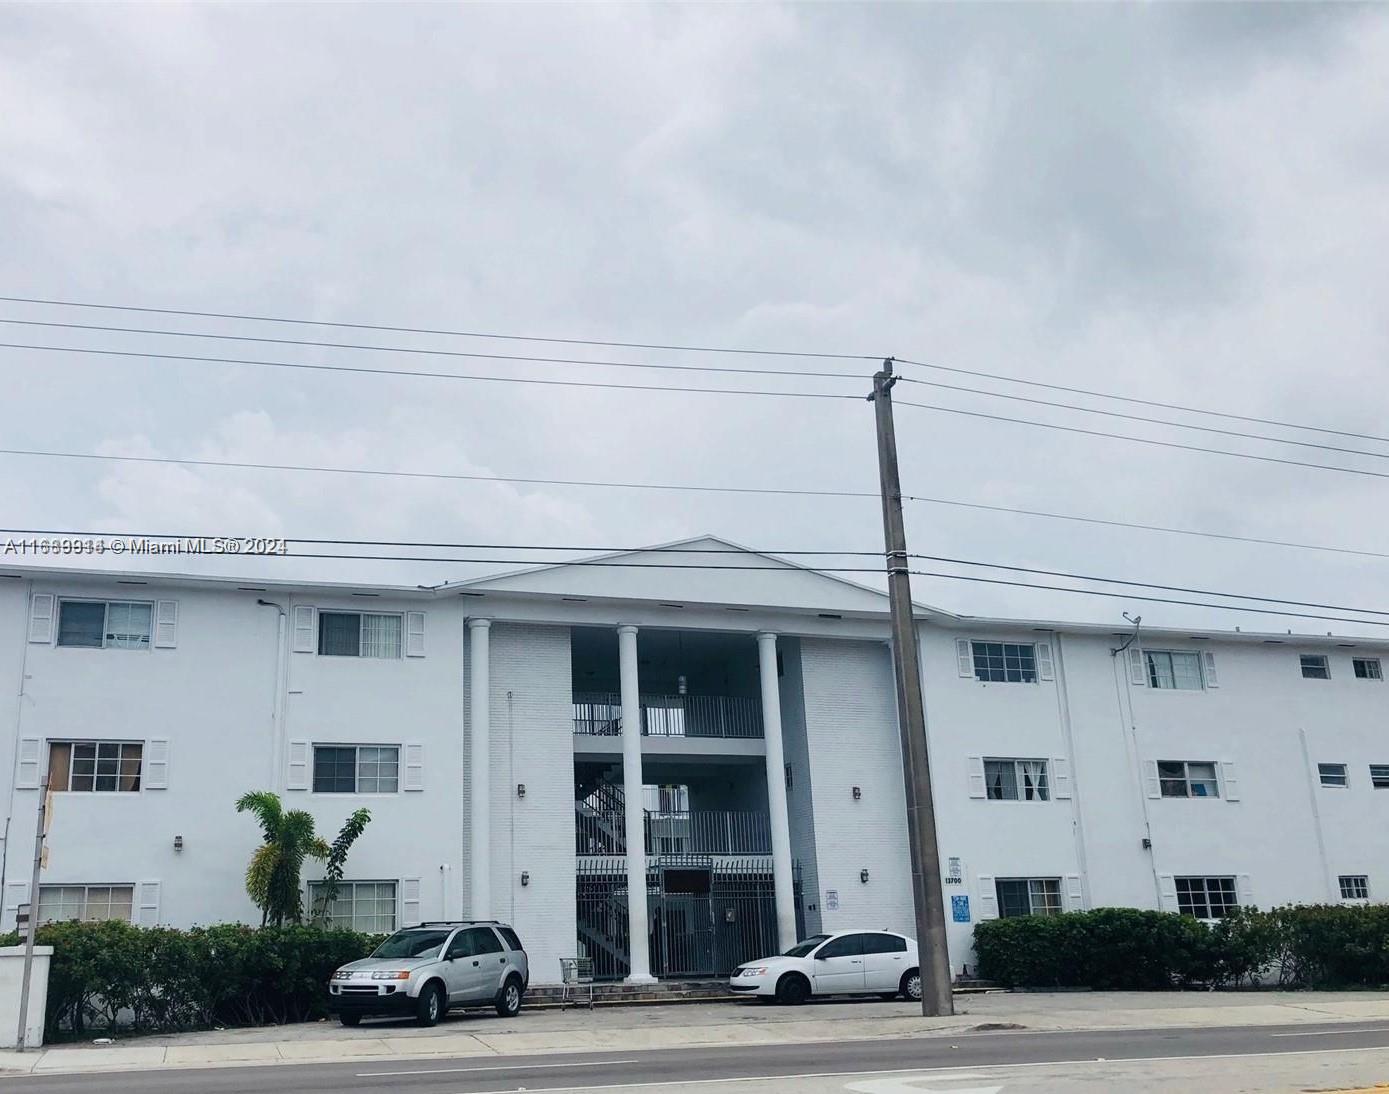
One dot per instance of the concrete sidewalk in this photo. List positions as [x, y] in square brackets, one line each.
[717, 1024]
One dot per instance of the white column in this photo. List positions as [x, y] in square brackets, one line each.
[479, 769]
[632, 799]
[776, 794]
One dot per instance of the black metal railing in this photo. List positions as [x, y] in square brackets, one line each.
[599, 714]
[700, 832]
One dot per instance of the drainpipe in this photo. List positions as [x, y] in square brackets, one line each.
[281, 683]
[1333, 890]
[1063, 708]
[18, 722]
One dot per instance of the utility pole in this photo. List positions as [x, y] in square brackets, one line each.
[32, 925]
[927, 891]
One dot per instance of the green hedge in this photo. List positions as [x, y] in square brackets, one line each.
[1305, 946]
[166, 979]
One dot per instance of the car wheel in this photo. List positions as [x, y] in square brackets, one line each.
[350, 1019]
[792, 990]
[911, 985]
[509, 999]
[430, 1006]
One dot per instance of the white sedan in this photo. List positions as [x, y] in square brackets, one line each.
[855, 962]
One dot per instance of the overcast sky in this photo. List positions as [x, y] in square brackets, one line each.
[1181, 203]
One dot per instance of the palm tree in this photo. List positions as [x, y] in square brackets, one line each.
[272, 878]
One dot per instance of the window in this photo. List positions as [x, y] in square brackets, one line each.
[89, 903]
[1004, 662]
[95, 766]
[1206, 897]
[1379, 776]
[510, 937]
[102, 624]
[1315, 667]
[356, 769]
[1016, 780]
[1173, 670]
[1367, 668]
[884, 943]
[367, 906]
[848, 945]
[358, 634]
[1333, 774]
[1354, 886]
[1028, 896]
[1187, 779]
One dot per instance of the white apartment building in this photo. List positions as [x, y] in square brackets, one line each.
[669, 770]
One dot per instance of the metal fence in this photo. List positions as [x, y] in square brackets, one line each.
[706, 919]
[701, 832]
[730, 716]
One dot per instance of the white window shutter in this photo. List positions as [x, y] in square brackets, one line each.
[1075, 895]
[147, 905]
[30, 758]
[414, 634]
[988, 897]
[1167, 887]
[1246, 891]
[409, 902]
[16, 893]
[1060, 777]
[1212, 680]
[304, 629]
[42, 608]
[1229, 781]
[297, 777]
[1150, 779]
[1044, 666]
[964, 655]
[156, 775]
[414, 767]
[1138, 670]
[976, 777]
[166, 624]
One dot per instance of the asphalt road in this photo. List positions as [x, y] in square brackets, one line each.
[596, 1071]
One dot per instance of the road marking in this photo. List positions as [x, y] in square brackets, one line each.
[1331, 1032]
[499, 1067]
[945, 1072]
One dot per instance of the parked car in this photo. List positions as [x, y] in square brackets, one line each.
[857, 962]
[425, 970]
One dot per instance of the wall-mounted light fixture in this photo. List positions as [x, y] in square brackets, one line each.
[863, 876]
[858, 793]
[520, 790]
[525, 877]
[178, 843]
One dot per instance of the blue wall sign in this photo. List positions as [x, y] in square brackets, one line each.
[959, 909]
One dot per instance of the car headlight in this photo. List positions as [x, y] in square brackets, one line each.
[755, 970]
[394, 975]
[343, 974]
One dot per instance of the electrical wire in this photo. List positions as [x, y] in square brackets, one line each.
[432, 352]
[433, 375]
[441, 475]
[1144, 440]
[444, 333]
[1138, 401]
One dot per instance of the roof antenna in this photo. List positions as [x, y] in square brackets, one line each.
[1137, 621]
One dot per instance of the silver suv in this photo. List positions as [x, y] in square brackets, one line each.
[427, 969]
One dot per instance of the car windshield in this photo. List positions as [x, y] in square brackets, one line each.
[802, 949]
[412, 944]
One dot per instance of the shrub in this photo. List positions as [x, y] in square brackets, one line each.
[1306, 946]
[162, 979]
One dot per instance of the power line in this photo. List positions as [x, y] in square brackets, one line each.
[446, 333]
[433, 352]
[653, 551]
[1145, 418]
[1145, 527]
[438, 475]
[1146, 440]
[432, 375]
[1140, 402]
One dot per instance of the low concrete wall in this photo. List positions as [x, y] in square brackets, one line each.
[11, 978]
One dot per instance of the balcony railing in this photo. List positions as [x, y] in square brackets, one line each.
[600, 715]
[702, 832]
